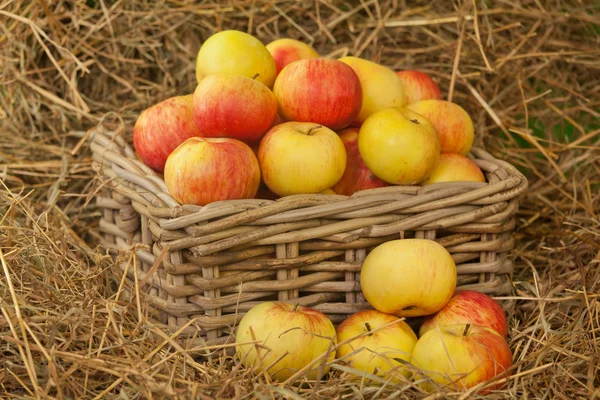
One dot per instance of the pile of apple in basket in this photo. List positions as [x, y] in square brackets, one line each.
[278, 120]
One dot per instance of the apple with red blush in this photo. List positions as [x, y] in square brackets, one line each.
[162, 127]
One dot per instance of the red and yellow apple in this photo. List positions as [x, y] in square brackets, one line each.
[468, 307]
[418, 86]
[204, 170]
[385, 339]
[381, 87]
[399, 146]
[356, 175]
[289, 338]
[286, 50]
[161, 128]
[454, 167]
[319, 90]
[238, 53]
[459, 357]
[233, 106]
[452, 122]
[408, 277]
[301, 157]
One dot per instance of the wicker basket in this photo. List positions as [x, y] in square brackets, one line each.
[213, 263]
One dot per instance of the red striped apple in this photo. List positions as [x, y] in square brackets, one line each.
[204, 170]
[399, 146]
[301, 157]
[319, 90]
[233, 106]
[460, 357]
[289, 338]
[418, 86]
[235, 52]
[385, 339]
[408, 277]
[285, 51]
[381, 87]
[161, 128]
[455, 168]
[452, 122]
[468, 307]
[357, 175]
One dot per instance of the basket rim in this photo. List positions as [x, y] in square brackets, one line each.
[462, 207]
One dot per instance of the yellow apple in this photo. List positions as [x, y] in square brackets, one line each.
[356, 176]
[377, 352]
[452, 122]
[289, 338]
[381, 87]
[238, 53]
[408, 277]
[327, 191]
[468, 307]
[460, 357]
[301, 157]
[455, 168]
[399, 146]
[285, 51]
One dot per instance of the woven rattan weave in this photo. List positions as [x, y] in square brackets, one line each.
[213, 263]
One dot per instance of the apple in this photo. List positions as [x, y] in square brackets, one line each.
[319, 90]
[356, 175]
[381, 87]
[418, 86]
[301, 157]
[162, 127]
[203, 170]
[285, 51]
[327, 191]
[235, 52]
[289, 338]
[408, 277]
[453, 124]
[399, 146]
[233, 106]
[468, 307]
[455, 168]
[460, 357]
[386, 339]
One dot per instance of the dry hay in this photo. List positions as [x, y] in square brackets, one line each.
[529, 74]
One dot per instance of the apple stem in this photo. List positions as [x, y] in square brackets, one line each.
[467, 327]
[368, 326]
[295, 307]
[310, 131]
[256, 75]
